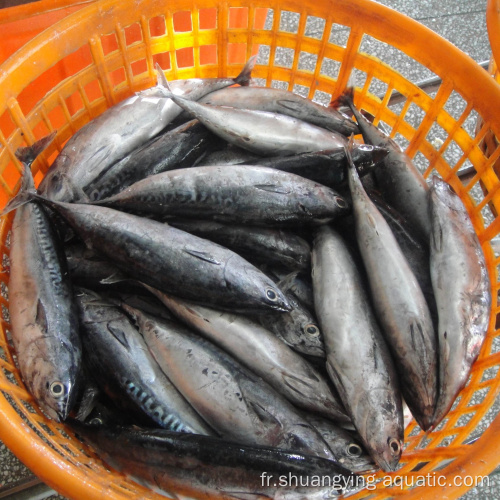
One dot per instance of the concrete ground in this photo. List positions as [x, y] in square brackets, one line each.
[460, 21]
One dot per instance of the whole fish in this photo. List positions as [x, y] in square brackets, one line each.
[43, 314]
[119, 360]
[284, 102]
[250, 129]
[347, 449]
[208, 468]
[240, 194]
[169, 259]
[402, 185]
[256, 244]
[238, 404]
[399, 304]
[362, 371]
[260, 351]
[326, 167]
[181, 147]
[462, 289]
[98, 145]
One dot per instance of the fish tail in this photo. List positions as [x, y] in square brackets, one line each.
[28, 154]
[162, 82]
[25, 194]
[345, 99]
[245, 76]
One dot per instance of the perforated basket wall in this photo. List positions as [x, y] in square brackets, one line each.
[99, 55]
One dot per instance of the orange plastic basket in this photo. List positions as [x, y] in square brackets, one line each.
[107, 50]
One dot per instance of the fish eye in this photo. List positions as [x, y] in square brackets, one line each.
[341, 203]
[96, 421]
[57, 389]
[395, 446]
[312, 330]
[271, 295]
[354, 450]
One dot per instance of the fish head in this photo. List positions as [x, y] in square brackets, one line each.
[56, 186]
[442, 193]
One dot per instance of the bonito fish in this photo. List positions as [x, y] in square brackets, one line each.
[462, 289]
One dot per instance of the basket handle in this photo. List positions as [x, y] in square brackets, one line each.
[493, 25]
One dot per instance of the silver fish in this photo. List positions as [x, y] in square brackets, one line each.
[119, 360]
[43, 314]
[238, 404]
[172, 260]
[399, 304]
[242, 194]
[402, 185]
[362, 371]
[263, 353]
[284, 102]
[463, 293]
[119, 130]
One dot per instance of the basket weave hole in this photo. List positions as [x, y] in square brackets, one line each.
[238, 17]
[322, 97]
[401, 141]
[208, 54]
[470, 123]
[488, 215]
[289, 21]
[93, 90]
[478, 396]
[284, 57]
[422, 163]
[57, 117]
[184, 57]
[315, 27]
[109, 43]
[464, 419]
[182, 21]
[357, 78]
[133, 33]
[378, 87]
[208, 19]
[279, 84]
[163, 59]
[436, 136]
[263, 55]
[139, 67]
[414, 115]
[339, 35]
[307, 61]
[301, 90]
[236, 53]
[157, 26]
[117, 76]
[453, 153]
[7, 126]
[330, 67]
[74, 103]
[455, 105]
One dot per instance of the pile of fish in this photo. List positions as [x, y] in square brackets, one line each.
[214, 286]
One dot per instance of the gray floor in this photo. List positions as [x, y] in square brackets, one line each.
[463, 23]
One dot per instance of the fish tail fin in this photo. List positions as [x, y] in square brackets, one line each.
[245, 75]
[344, 99]
[25, 194]
[28, 154]
[162, 82]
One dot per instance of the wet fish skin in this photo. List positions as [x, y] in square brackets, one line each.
[363, 372]
[177, 262]
[119, 360]
[249, 129]
[399, 304]
[241, 194]
[43, 314]
[178, 148]
[203, 467]
[238, 404]
[261, 352]
[284, 102]
[462, 288]
[399, 175]
[119, 130]
[327, 167]
[229, 155]
[256, 244]
[297, 283]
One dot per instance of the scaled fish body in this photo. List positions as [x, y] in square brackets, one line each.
[43, 314]
[284, 102]
[264, 354]
[239, 405]
[118, 358]
[399, 305]
[462, 289]
[242, 194]
[362, 370]
[172, 260]
[119, 130]
[210, 468]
